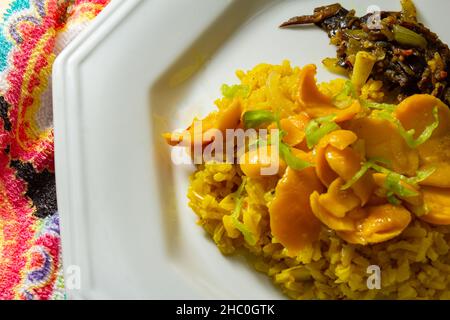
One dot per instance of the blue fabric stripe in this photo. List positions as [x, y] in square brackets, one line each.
[5, 44]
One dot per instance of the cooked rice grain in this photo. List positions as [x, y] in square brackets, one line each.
[415, 265]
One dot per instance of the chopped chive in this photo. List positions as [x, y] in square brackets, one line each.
[291, 160]
[255, 118]
[364, 168]
[393, 199]
[248, 236]
[237, 90]
[408, 135]
[345, 98]
[318, 128]
[421, 175]
[379, 106]
[394, 185]
[408, 37]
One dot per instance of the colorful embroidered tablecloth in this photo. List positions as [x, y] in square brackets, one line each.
[32, 34]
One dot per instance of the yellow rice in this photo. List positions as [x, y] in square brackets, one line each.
[415, 265]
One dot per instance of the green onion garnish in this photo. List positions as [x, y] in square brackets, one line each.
[248, 236]
[392, 199]
[421, 175]
[236, 90]
[345, 98]
[291, 160]
[364, 168]
[379, 106]
[255, 118]
[393, 179]
[318, 128]
[408, 135]
[393, 184]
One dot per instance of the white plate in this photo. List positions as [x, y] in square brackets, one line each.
[124, 216]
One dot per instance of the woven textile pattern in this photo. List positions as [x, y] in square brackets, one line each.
[32, 34]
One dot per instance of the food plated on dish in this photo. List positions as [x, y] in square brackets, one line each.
[332, 180]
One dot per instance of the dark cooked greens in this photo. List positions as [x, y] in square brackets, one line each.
[410, 58]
